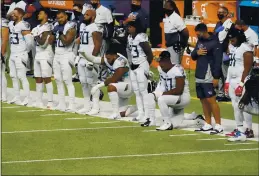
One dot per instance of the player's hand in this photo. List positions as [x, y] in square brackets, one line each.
[202, 52]
[157, 94]
[239, 90]
[131, 18]
[241, 105]
[215, 82]
[35, 32]
[226, 88]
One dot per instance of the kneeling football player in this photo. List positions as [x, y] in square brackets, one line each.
[118, 84]
[171, 93]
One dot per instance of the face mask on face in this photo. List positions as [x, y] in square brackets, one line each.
[135, 7]
[77, 14]
[168, 12]
[220, 16]
[94, 5]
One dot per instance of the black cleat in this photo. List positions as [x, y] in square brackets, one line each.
[249, 133]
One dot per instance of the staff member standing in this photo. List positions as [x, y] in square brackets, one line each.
[222, 29]
[138, 12]
[176, 33]
[208, 55]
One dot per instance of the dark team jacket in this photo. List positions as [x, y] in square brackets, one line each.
[213, 57]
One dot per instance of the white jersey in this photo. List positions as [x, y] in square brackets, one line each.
[17, 40]
[167, 80]
[86, 37]
[60, 47]
[236, 64]
[137, 54]
[44, 28]
[120, 62]
[252, 38]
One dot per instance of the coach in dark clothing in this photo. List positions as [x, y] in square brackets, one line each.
[208, 55]
[138, 13]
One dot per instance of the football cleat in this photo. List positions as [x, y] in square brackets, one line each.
[165, 126]
[93, 112]
[206, 127]
[249, 133]
[239, 136]
[148, 123]
[200, 120]
[231, 133]
[218, 129]
[25, 102]
[84, 110]
[71, 108]
[115, 116]
[15, 100]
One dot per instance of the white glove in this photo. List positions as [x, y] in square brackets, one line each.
[158, 94]
[95, 88]
[35, 32]
[151, 75]
[90, 57]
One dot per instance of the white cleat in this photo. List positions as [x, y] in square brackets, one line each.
[25, 102]
[217, 130]
[60, 107]
[84, 111]
[50, 105]
[71, 108]
[115, 116]
[165, 126]
[130, 110]
[93, 112]
[239, 136]
[15, 100]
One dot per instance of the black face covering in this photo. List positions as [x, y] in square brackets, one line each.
[77, 14]
[220, 16]
[94, 5]
[135, 7]
[168, 12]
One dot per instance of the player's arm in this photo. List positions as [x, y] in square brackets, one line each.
[28, 39]
[5, 39]
[97, 38]
[178, 90]
[69, 37]
[91, 58]
[248, 64]
[116, 76]
[41, 40]
[147, 50]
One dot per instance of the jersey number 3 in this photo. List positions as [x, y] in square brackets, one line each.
[14, 38]
[134, 51]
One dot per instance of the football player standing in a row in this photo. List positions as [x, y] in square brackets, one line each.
[176, 33]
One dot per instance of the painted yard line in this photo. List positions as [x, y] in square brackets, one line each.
[211, 139]
[31, 110]
[44, 115]
[242, 144]
[129, 156]
[183, 135]
[68, 129]
[103, 122]
[10, 107]
[82, 118]
[149, 130]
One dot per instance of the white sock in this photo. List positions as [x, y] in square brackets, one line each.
[96, 100]
[164, 110]
[26, 86]
[86, 93]
[238, 114]
[39, 90]
[49, 88]
[16, 87]
[114, 98]
[139, 104]
[71, 91]
[61, 91]
[4, 85]
[151, 106]
[248, 120]
[145, 102]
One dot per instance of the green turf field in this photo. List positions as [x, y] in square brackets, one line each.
[45, 142]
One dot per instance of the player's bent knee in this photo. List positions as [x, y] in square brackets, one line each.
[111, 88]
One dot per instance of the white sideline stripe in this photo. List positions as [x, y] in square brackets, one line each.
[103, 122]
[129, 156]
[212, 139]
[183, 135]
[10, 107]
[79, 118]
[68, 129]
[31, 110]
[242, 144]
[54, 115]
